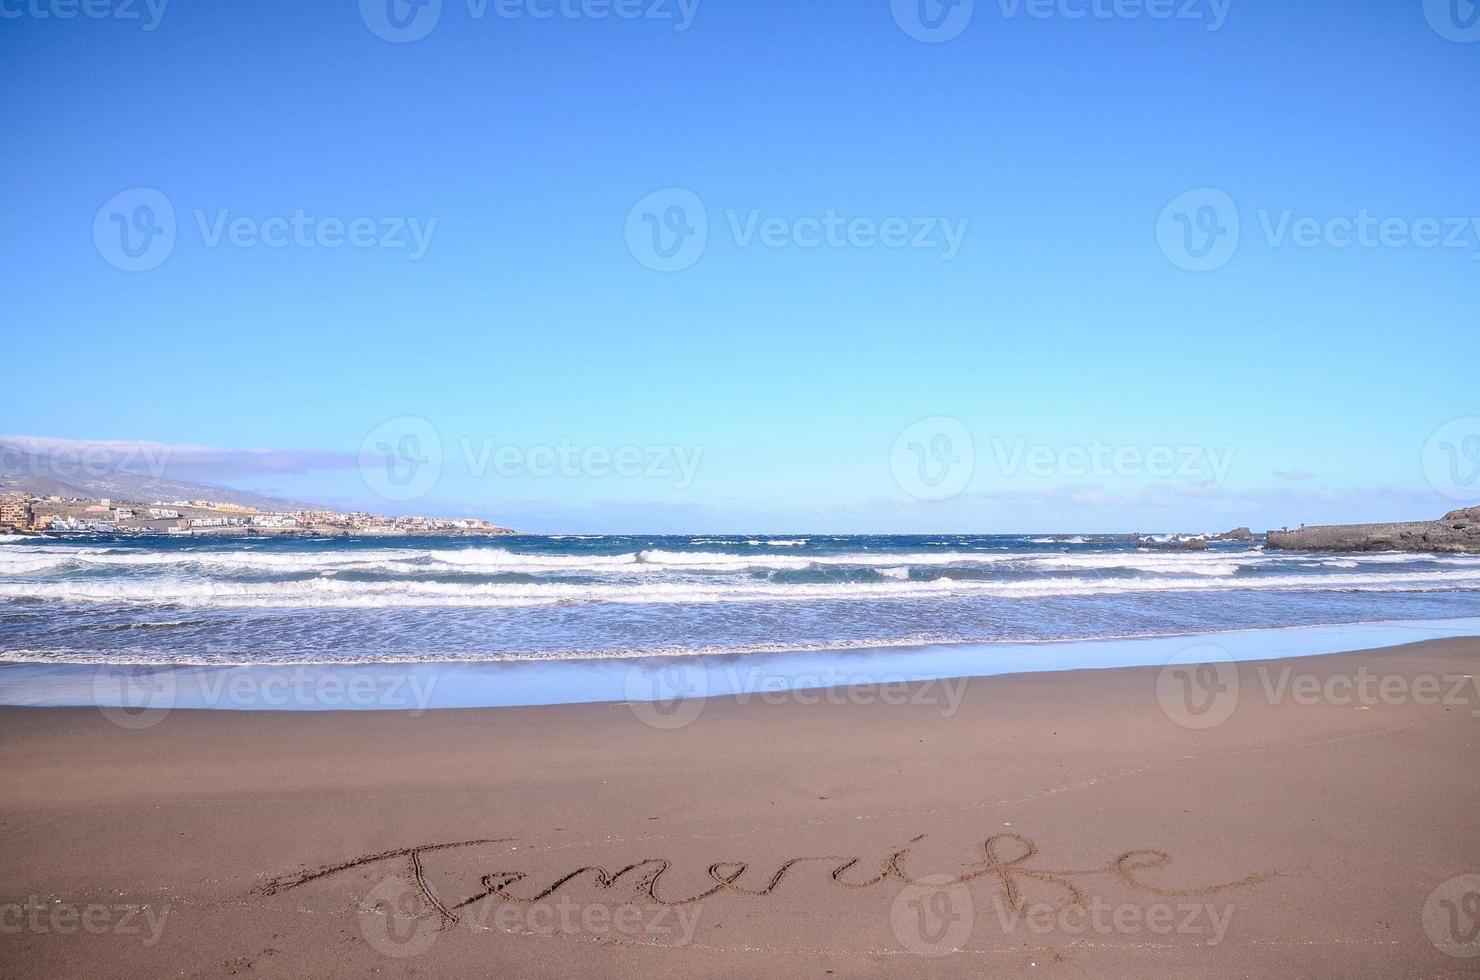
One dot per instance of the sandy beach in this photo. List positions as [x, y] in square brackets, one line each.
[1317, 821]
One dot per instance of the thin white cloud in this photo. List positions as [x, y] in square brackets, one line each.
[160, 460]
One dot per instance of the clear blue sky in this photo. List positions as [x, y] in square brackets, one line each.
[1059, 322]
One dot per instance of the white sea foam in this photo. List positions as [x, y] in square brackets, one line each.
[330, 592]
[174, 658]
[47, 559]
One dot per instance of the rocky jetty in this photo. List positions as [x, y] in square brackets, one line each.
[1458, 530]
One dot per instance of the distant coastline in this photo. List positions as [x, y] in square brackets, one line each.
[58, 515]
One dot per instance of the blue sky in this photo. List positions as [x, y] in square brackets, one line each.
[1337, 382]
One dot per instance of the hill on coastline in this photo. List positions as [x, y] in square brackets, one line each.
[55, 468]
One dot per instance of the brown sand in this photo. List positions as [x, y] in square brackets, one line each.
[1292, 839]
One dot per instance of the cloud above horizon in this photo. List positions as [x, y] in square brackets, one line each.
[158, 459]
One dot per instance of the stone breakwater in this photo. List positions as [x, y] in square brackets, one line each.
[1457, 531]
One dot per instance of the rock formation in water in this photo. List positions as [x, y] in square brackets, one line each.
[1458, 530]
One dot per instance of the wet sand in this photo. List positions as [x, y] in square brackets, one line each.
[1316, 821]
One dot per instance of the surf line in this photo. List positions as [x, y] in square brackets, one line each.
[1004, 860]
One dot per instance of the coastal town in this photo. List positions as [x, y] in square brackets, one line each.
[22, 513]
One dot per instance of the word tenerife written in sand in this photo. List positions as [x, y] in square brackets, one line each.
[1007, 861]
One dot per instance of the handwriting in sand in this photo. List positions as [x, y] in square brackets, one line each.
[1007, 861]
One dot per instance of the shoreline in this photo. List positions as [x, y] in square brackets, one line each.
[432, 684]
[1081, 823]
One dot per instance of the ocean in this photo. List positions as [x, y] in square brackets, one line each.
[599, 597]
